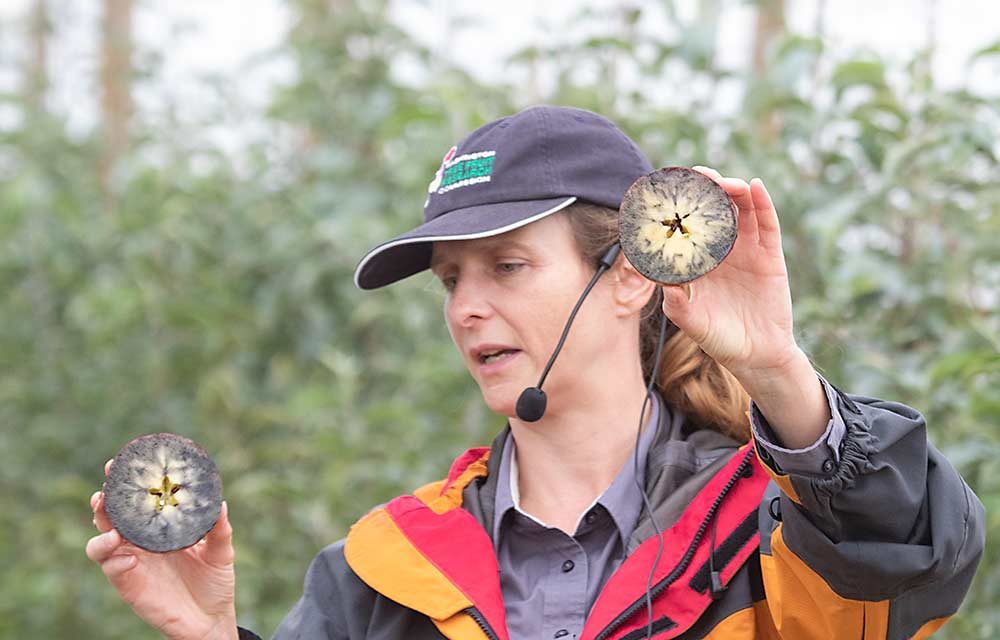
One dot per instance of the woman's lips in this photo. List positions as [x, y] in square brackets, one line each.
[495, 363]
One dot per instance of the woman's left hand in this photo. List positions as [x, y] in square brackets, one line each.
[740, 313]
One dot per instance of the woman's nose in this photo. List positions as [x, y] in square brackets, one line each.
[468, 303]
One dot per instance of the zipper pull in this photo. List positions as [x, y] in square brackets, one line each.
[717, 588]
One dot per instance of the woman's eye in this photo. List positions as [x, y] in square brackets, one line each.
[509, 267]
[449, 282]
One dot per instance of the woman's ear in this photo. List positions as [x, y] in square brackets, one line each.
[632, 290]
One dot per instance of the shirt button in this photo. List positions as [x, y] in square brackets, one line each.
[561, 633]
[591, 516]
[828, 466]
[568, 566]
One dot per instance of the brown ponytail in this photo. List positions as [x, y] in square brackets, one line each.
[689, 379]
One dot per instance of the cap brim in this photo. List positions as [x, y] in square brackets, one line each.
[410, 253]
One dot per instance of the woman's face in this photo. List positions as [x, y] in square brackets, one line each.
[508, 298]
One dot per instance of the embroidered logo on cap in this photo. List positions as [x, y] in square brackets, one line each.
[463, 171]
[436, 182]
[467, 169]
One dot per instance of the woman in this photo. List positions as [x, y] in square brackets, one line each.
[838, 520]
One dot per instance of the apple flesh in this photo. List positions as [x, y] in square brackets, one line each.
[163, 492]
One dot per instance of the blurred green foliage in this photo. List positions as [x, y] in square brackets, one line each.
[212, 296]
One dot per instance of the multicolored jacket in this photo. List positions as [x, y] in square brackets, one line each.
[883, 546]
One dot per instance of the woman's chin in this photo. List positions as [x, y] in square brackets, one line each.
[502, 401]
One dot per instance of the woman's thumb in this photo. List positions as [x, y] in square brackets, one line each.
[219, 541]
[677, 299]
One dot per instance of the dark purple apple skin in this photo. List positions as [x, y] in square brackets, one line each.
[190, 507]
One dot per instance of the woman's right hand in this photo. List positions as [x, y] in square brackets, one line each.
[187, 594]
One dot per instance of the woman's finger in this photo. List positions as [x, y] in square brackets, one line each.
[767, 218]
[219, 541]
[107, 466]
[100, 548]
[101, 520]
[117, 565]
[708, 171]
[737, 188]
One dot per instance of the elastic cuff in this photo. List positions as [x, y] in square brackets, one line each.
[855, 450]
[820, 459]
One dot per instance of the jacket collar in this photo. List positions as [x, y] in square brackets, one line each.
[407, 551]
[677, 466]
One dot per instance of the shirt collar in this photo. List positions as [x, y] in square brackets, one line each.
[622, 498]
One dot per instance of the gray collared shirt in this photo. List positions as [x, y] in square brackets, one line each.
[550, 580]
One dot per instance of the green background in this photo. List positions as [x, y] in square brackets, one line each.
[211, 294]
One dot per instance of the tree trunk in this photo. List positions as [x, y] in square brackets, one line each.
[770, 25]
[116, 81]
[36, 78]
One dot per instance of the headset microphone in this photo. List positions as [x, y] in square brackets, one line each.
[531, 404]
[532, 401]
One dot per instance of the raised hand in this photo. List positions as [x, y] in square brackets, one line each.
[740, 313]
[187, 594]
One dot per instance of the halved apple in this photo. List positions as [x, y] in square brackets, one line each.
[163, 492]
[676, 225]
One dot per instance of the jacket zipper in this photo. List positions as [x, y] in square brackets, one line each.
[745, 470]
[481, 621]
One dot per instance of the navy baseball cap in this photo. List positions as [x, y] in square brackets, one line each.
[507, 174]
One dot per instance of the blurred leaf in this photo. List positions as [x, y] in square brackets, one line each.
[991, 50]
[869, 73]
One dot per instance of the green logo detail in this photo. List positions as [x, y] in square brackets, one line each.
[467, 169]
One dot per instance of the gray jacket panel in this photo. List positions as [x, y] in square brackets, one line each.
[894, 521]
